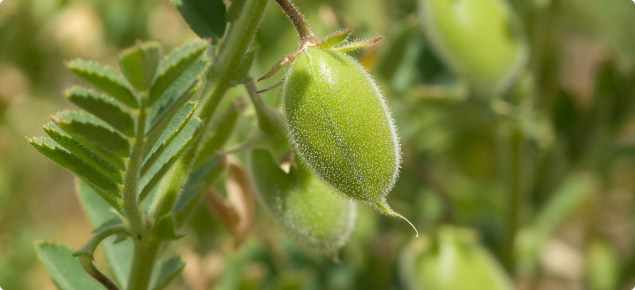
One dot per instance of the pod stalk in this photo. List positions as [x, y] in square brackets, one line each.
[303, 27]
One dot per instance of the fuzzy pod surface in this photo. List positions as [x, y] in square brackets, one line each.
[479, 39]
[339, 124]
[312, 214]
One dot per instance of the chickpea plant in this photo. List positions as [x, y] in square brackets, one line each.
[145, 149]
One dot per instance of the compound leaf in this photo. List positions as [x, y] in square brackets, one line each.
[103, 107]
[206, 17]
[52, 150]
[106, 79]
[244, 67]
[139, 64]
[65, 270]
[220, 132]
[209, 165]
[91, 130]
[176, 69]
[164, 128]
[169, 134]
[98, 212]
[165, 229]
[234, 10]
[174, 98]
[83, 153]
[201, 176]
[172, 153]
[167, 271]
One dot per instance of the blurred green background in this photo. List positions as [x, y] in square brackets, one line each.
[538, 180]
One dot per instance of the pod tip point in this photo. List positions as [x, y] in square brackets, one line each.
[387, 210]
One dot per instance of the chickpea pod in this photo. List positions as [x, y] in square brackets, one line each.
[339, 124]
[312, 214]
[336, 117]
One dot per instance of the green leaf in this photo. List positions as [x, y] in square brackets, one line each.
[112, 227]
[107, 156]
[115, 221]
[103, 107]
[169, 134]
[180, 69]
[83, 153]
[233, 13]
[105, 79]
[220, 132]
[172, 153]
[65, 270]
[166, 126]
[139, 64]
[335, 38]
[203, 175]
[205, 17]
[244, 67]
[176, 95]
[120, 238]
[208, 166]
[162, 112]
[88, 129]
[52, 150]
[98, 212]
[165, 229]
[167, 271]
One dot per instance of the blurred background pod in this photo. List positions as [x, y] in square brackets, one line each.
[313, 215]
[451, 259]
[480, 40]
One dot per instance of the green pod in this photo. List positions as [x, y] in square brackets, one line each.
[312, 214]
[481, 40]
[453, 260]
[339, 124]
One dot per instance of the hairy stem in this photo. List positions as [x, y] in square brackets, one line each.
[303, 28]
[218, 80]
[131, 182]
[145, 254]
[145, 248]
[266, 118]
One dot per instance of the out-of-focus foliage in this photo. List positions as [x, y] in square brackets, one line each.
[543, 174]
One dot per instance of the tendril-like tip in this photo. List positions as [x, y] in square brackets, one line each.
[387, 210]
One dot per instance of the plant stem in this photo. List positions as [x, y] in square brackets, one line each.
[145, 247]
[517, 173]
[87, 263]
[221, 77]
[218, 80]
[131, 182]
[303, 27]
[145, 253]
[266, 118]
